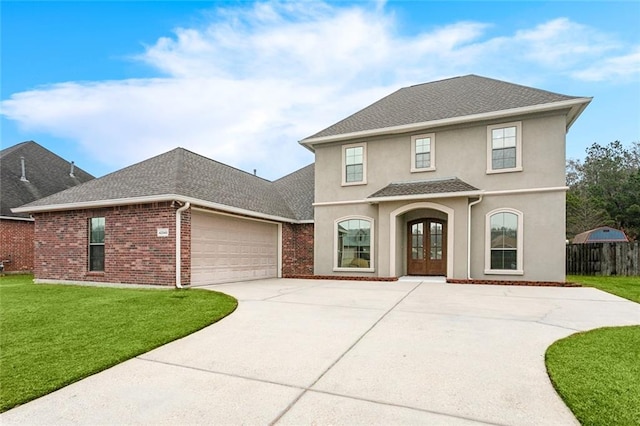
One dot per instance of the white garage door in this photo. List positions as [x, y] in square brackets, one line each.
[226, 249]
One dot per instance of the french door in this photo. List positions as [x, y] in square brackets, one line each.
[427, 247]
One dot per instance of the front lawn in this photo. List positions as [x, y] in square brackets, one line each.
[54, 335]
[627, 287]
[597, 374]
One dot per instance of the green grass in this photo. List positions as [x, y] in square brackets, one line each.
[54, 335]
[597, 374]
[627, 287]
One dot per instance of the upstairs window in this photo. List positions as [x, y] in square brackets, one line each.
[354, 167]
[423, 156]
[504, 242]
[96, 244]
[504, 148]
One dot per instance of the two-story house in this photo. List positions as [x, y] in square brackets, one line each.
[462, 178]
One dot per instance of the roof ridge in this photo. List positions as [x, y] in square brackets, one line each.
[223, 164]
[15, 147]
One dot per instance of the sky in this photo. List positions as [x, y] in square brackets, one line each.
[109, 84]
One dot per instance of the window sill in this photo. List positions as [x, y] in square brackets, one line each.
[429, 169]
[95, 273]
[354, 183]
[354, 270]
[504, 272]
[511, 170]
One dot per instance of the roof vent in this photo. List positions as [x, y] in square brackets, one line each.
[72, 167]
[24, 172]
[255, 172]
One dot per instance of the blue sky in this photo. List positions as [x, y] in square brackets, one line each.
[108, 84]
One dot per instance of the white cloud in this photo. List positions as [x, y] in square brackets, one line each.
[244, 88]
[614, 68]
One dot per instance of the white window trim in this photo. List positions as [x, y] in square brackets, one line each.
[364, 164]
[371, 242]
[432, 163]
[487, 244]
[518, 167]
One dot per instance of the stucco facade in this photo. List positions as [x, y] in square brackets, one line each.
[536, 190]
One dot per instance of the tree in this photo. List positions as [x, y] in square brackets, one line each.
[605, 189]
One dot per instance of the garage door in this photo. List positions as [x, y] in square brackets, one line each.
[226, 249]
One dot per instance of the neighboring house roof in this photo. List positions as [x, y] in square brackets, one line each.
[603, 234]
[438, 102]
[425, 187]
[183, 175]
[46, 173]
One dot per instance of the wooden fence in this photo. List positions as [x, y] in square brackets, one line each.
[621, 259]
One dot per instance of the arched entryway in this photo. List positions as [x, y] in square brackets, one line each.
[401, 220]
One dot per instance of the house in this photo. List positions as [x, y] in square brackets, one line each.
[28, 172]
[462, 178]
[603, 234]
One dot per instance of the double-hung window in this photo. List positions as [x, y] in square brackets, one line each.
[96, 244]
[354, 164]
[504, 242]
[423, 154]
[504, 148]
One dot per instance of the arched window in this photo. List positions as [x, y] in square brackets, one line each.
[354, 243]
[504, 242]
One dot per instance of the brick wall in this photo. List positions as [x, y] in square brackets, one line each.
[297, 249]
[134, 254]
[16, 245]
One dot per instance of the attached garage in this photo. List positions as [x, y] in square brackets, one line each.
[229, 248]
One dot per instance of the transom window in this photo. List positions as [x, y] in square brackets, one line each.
[354, 168]
[504, 148]
[354, 243]
[423, 153]
[504, 241]
[96, 244]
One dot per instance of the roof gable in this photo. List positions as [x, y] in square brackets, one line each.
[464, 96]
[46, 174]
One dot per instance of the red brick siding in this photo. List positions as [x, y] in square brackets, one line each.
[16, 245]
[134, 254]
[297, 249]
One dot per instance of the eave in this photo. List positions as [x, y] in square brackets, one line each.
[153, 199]
[576, 106]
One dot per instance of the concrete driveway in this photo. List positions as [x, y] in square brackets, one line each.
[344, 352]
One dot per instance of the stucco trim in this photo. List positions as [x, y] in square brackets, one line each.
[442, 195]
[151, 199]
[527, 190]
[577, 106]
[422, 205]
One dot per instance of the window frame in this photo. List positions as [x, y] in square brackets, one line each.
[95, 244]
[371, 267]
[432, 153]
[490, 129]
[519, 244]
[363, 145]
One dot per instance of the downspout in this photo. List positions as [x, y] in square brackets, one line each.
[469, 237]
[178, 243]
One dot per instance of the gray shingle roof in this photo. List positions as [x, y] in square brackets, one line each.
[46, 172]
[438, 100]
[424, 187]
[184, 173]
[297, 189]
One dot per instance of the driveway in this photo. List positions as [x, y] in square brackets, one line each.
[347, 352]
